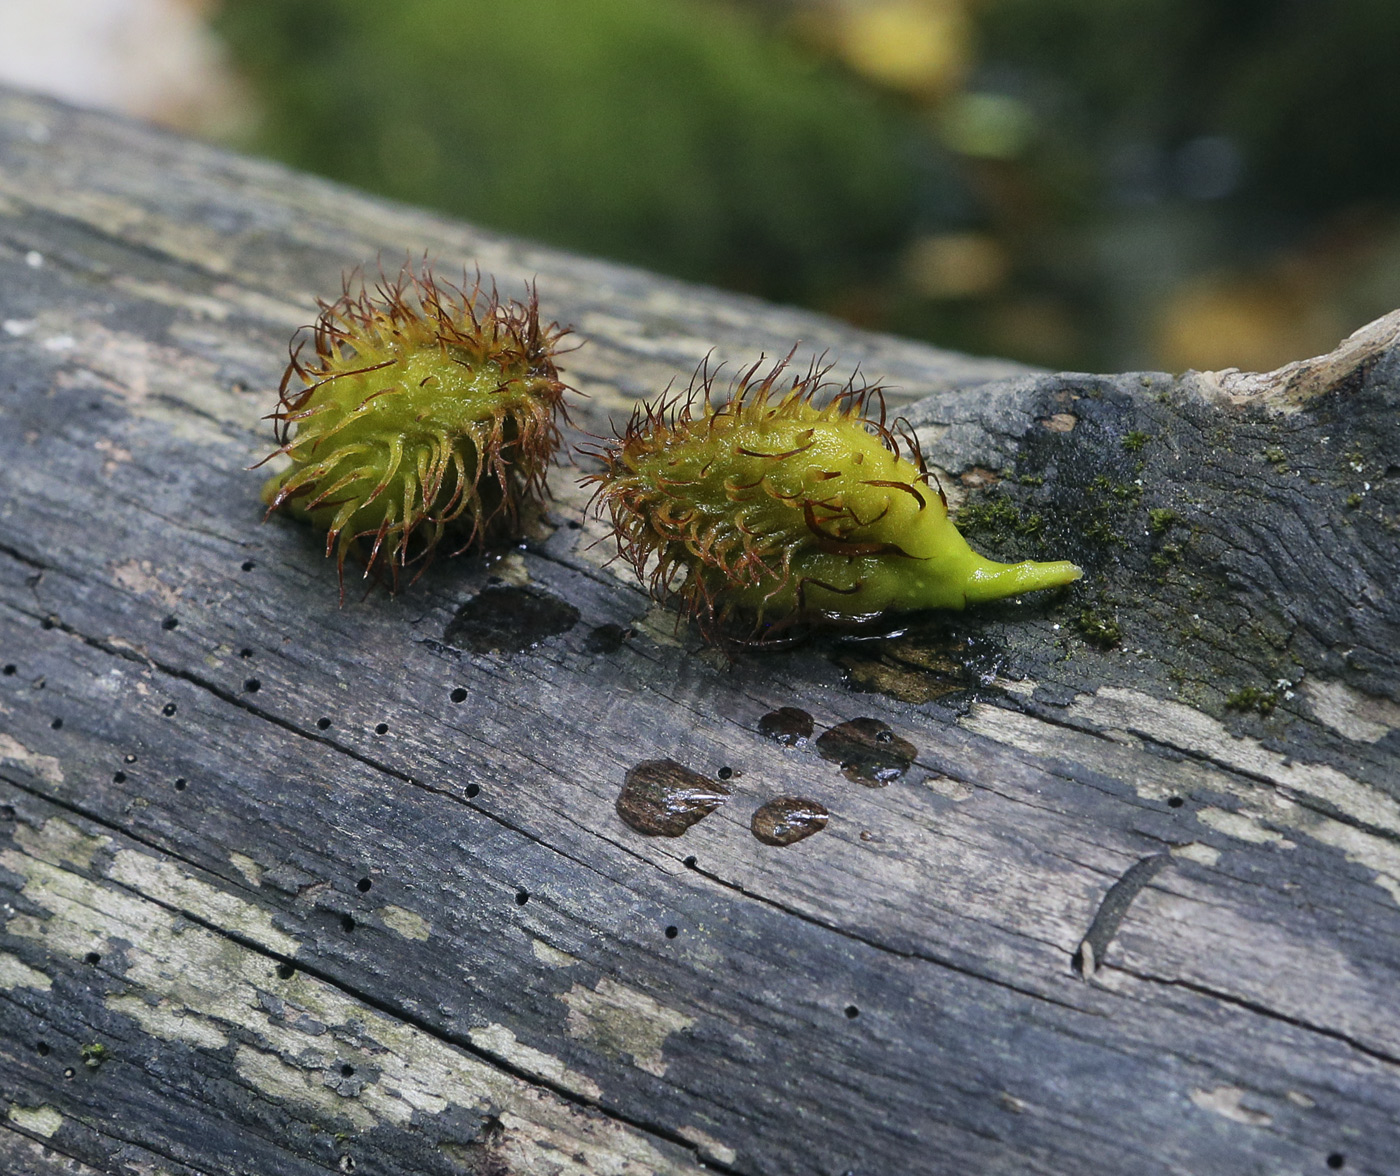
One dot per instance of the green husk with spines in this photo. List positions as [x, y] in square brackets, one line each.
[768, 509]
[426, 410]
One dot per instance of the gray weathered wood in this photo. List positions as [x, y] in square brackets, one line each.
[377, 911]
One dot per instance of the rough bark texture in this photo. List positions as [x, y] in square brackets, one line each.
[292, 887]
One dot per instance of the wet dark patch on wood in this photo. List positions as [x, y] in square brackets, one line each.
[789, 725]
[868, 751]
[662, 798]
[507, 619]
[788, 819]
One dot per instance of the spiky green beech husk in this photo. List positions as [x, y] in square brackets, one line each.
[426, 410]
[769, 508]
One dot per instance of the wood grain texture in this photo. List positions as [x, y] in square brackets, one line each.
[334, 891]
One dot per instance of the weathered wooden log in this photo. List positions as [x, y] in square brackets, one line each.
[294, 887]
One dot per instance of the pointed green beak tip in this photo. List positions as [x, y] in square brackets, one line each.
[998, 581]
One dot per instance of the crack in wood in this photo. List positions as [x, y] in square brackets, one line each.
[20, 557]
[855, 937]
[1258, 1009]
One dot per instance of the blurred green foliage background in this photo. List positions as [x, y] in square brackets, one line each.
[1079, 183]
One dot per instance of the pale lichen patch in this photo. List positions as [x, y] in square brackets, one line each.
[1228, 1102]
[169, 1021]
[279, 1079]
[1022, 689]
[1187, 729]
[57, 841]
[500, 1042]
[947, 786]
[114, 456]
[165, 882]
[550, 955]
[296, 1036]
[43, 1121]
[404, 922]
[15, 973]
[1350, 713]
[1198, 852]
[140, 577]
[247, 867]
[1157, 779]
[709, 1146]
[43, 767]
[1242, 826]
[665, 626]
[618, 1020]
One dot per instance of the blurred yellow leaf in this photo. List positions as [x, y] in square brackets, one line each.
[922, 47]
[956, 265]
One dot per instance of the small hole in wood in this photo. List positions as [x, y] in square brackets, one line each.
[46, 623]
[181, 784]
[57, 724]
[347, 922]
[381, 728]
[245, 652]
[347, 1163]
[92, 958]
[346, 1070]
[672, 932]
[323, 723]
[248, 565]
[170, 623]
[118, 777]
[725, 773]
[575, 525]
[363, 885]
[8, 671]
[852, 1012]
[458, 695]
[68, 1073]
[522, 897]
[1175, 802]
[42, 1049]
[1336, 1160]
[168, 709]
[690, 861]
[252, 685]
[472, 790]
[286, 971]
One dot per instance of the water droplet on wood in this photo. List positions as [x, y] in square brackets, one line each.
[507, 619]
[868, 751]
[606, 639]
[788, 819]
[789, 725]
[662, 798]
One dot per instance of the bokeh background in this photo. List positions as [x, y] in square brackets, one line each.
[1084, 184]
